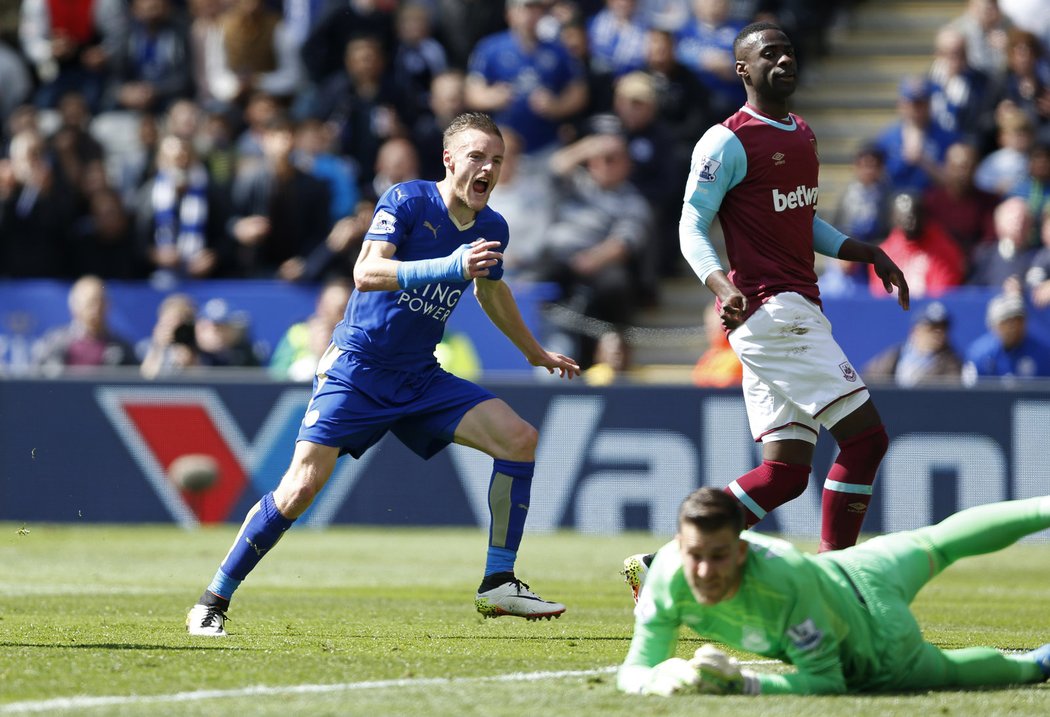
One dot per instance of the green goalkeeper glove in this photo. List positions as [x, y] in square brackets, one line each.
[720, 674]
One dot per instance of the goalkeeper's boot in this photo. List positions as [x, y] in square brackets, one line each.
[634, 571]
[206, 621]
[1041, 655]
[503, 594]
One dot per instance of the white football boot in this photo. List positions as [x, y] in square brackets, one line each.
[516, 599]
[206, 621]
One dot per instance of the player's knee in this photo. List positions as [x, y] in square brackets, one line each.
[868, 446]
[793, 477]
[298, 488]
[522, 442]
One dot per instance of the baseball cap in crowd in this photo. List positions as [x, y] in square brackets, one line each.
[1003, 307]
[934, 314]
[915, 89]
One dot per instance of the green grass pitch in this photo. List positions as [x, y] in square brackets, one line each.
[381, 622]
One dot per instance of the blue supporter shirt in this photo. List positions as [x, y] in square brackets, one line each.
[501, 58]
[988, 357]
[400, 329]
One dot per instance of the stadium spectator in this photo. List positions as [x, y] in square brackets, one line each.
[617, 37]
[214, 85]
[136, 163]
[15, 80]
[36, 212]
[1010, 254]
[771, 247]
[259, 52]
[526, 198]
[1035, 189]
[682, 98]
[655, 172]
[297, 353]
[1026, 83]
[842, 619]
[956, 204]
[418, 59]
[599, 234]
[364, 103]
[397, 161]
[924, 251]
[718, 366]
[573, 36]
[152, 67]
[87, 341]
[863, 208]
[914, 145]
[171, 348]
[1005, 170]
[280, 213]
[528, 84]
[73, 151]
[380, 373]
[1037, 278]
[959, 101]
[460, 24]
[447, 101]
[223, 336]
[324, 51]
[612, 360]
[315, 154]
[336, 256]
[72, 46]
[1008, 351]
[180, 219]
[260, 112]
[985, 28]
[926, 355]
[705, 45]
[103, 241]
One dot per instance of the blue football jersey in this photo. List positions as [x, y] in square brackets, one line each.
[400, 329]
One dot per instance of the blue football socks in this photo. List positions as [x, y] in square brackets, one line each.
[262, 528]
[509, 491]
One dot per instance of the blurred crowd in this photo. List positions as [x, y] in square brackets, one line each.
[165, 140]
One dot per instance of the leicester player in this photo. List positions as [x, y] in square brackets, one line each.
[842, 618]
[428, 241]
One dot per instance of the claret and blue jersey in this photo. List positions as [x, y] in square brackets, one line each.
[400, 329]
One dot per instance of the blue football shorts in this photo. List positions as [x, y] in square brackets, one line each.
[354, 404]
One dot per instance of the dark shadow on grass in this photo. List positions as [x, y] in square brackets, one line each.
[117, 646]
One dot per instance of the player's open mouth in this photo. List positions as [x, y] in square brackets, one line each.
[480, 186]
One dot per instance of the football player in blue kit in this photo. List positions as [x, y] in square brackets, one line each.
[427, 243]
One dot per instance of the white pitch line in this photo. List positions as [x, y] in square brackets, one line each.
[84, 702]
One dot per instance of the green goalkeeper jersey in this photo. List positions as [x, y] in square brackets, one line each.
[791, 606]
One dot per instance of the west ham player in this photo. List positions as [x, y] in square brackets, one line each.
[841, 618]
[427, 242]
[757, 171]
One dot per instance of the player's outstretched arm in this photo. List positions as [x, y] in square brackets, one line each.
[885, 269]
[498, 302]
[377, 270]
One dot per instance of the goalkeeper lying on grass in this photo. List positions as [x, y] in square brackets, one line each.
[841, 618]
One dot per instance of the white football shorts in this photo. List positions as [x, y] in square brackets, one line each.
[796, 377]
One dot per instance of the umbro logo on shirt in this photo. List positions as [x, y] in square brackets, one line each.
[778, 159]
